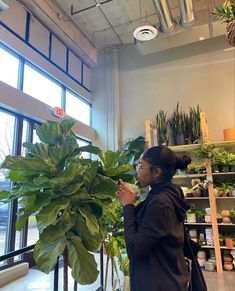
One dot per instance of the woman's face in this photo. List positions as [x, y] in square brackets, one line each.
[144, 174]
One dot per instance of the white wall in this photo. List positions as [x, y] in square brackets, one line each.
[202, 74]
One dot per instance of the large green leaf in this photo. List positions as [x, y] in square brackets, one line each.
[58, 230]
[40, 150]
[50, 212]
[115, 171]
[83, 264]
[90, 219]
[103, 187]
[46, 255]
[93, 241]
[17, 176]
[89, 149]
[109, 158]
[4, 194]
[112, 247]
[25, 164]
[72, 170]
[66, 126]
[48, 131]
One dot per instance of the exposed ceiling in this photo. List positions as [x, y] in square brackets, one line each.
[113, 22]
[110, 23]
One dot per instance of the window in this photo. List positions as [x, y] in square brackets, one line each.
[41, 87]
[6, 148]
[77, 108]
[9, 66]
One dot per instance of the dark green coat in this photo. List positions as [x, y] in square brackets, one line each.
[154, 236]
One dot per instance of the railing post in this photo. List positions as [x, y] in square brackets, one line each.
[56, 276]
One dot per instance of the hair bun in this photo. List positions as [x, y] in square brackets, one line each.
[182, 162]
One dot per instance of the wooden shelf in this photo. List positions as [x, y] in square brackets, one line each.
[198, 223]
[226, 224]
[188, 176]
[207, 247]
[224, 198]
[196, 198]
[225, 248]
[223, 174]
[190, 147]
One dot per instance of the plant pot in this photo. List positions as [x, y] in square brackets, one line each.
[205, 193]
[219, 220]
[229, 133]
[232, 219]
[228, 242]
[191, 218]
[197, 193]
[179, 139]
[200, 219]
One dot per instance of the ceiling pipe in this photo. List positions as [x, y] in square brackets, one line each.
[167, 23]
[186, 12]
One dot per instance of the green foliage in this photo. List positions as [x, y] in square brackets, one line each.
[226, 12]
[177, 121]
[204, 151]
[67, 194]
[162, 127]
[194, 123]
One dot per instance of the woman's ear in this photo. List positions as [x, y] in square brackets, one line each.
[157, 172]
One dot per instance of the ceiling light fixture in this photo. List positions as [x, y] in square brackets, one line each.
[145, 32]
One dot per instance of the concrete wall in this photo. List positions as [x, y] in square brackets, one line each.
[198, 74]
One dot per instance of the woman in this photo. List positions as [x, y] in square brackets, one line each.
[154, 231]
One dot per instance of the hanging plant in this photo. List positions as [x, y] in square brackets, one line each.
[226, 13]
[68, 196]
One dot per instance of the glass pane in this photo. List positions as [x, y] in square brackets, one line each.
[7, 122]
[83, 143]
[40, 87]
[77, 108]
[35, 137]
[9, 66]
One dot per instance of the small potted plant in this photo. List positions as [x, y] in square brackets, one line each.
[219, 218]
[204, 151]
[226, 13]
[194, 123]
[162, 128]
[224, 189]
[221, 159]
[177, 124]
[192, 168]
[221, 239]
[191, 216]
[232, 214]
[200, 213]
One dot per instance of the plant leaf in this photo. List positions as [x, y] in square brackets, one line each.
[46, 255]
[49, 213]
[82, 263]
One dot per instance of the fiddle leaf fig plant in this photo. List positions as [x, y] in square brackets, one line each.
[67, 194]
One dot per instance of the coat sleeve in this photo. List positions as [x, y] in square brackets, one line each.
[156, 224]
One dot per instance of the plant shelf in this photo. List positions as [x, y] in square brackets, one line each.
[196, 198]
[224, 198]
[207, 247]
[225, 248]
[198, 223]
[223, 174]
[226, 224]
[184, 176]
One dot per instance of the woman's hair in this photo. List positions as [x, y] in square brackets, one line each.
[165, 159]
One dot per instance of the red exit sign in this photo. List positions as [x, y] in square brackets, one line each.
[59, 112]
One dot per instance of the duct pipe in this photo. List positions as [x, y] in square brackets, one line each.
[166, 20]
[186, 12]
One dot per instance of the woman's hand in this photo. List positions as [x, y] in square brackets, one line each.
[124, 195]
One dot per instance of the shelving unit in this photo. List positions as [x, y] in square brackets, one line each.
[211, 201]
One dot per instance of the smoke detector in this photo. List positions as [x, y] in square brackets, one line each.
[145, 32]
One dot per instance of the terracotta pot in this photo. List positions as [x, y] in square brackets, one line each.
[228, 266]
[229, 133]
[229, 242]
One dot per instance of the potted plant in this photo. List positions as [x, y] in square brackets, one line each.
[68, 195]
[221, 239]
[226, 13]
[191, 216]
[177, 124]
[200, 215]
[194, 122]
[219, 218]
[204, 151]
[162, 128]
[221, 159]
[224, 189]
[232, 214]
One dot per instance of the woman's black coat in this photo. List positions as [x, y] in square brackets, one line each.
[154, 236]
